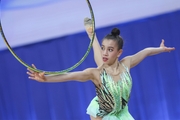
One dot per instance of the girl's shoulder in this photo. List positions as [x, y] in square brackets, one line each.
[125, 61]
[94, 72]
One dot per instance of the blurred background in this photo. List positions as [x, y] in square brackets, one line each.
[51, 34]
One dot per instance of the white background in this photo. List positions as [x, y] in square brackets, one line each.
[31, 21]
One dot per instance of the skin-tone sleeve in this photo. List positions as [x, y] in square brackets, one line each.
[135, 59]
[82, 76]
[96, 45]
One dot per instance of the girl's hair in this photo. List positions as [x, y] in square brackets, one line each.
[115, 35]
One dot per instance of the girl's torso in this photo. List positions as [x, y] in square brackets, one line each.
[113, 86]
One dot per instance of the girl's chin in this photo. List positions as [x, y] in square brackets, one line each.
[106, 63]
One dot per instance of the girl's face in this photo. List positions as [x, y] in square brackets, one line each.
[110, 51]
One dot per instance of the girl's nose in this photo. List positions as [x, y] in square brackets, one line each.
[105, 53]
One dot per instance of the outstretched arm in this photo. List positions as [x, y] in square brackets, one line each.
[81, 76]
[138, 57]
[96, 45]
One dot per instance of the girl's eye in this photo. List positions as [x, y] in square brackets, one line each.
[110, 50]
[102, 48]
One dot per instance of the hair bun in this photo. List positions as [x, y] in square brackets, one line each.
[115, 32]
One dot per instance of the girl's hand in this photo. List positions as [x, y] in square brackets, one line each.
[35, 75]
[166, 49]
[88, 26]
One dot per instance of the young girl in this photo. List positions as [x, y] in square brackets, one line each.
[111, 78]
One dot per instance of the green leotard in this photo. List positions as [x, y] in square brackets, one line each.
[112, 97]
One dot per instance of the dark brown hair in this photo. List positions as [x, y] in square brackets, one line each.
[115, 35]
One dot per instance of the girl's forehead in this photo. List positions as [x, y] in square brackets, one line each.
[109, 42]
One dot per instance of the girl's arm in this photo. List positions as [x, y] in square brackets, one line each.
[96, 45]
[81, 76]
[138, 57]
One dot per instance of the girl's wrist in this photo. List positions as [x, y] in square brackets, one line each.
[162, 49]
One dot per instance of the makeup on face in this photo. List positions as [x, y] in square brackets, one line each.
[109, 51]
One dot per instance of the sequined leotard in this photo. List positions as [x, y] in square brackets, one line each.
[112, 97]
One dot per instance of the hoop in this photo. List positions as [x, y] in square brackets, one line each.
[54, 72]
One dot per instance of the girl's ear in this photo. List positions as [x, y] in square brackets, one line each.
[119, 53]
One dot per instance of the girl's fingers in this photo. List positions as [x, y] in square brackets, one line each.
[163, 40]
[33, 66]
[170, 49]
[30, 70]
[87, 21]
[36, 76]
[162, 43]
[30, 74]
[30, 78]
[39, 80]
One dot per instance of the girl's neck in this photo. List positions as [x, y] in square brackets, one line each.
[113, 69]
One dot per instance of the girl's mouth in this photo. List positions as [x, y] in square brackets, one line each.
[105, 59]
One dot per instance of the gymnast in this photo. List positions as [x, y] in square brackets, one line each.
[112, 79]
